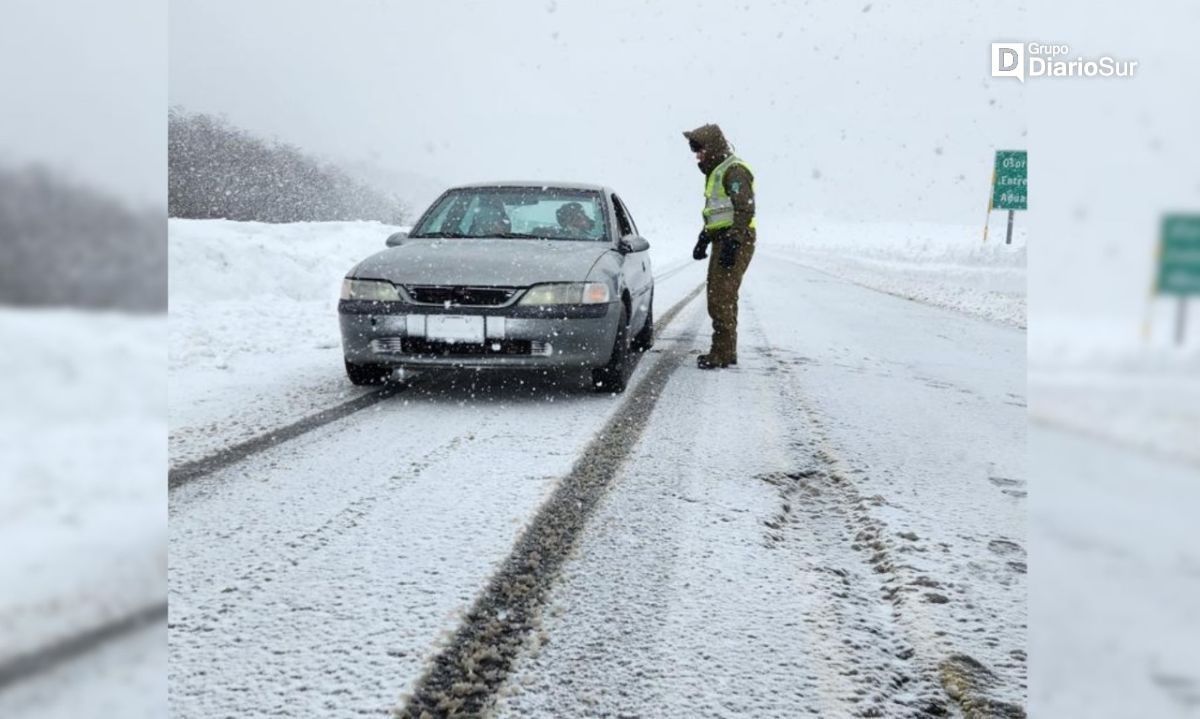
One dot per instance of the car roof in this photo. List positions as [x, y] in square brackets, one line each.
[538, 183]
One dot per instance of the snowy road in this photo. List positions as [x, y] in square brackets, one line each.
[832, 528]
[1115, 531]
[816, 533]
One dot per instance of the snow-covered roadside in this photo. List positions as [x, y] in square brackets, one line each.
[944, 265]
[83, 513]
[1102, 379]
[1148, 412]
[254, 340]
[251, 288]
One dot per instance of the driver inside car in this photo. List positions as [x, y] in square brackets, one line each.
[574, 221]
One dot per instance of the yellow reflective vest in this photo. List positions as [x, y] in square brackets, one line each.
[718, 208]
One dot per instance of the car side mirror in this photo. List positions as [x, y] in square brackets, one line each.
[397, 238]
[636, 243]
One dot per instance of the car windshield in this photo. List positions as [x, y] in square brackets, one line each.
[516, 212]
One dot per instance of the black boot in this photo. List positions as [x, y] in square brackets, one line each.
[707, 362]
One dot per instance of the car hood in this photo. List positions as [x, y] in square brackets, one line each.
[482, 262]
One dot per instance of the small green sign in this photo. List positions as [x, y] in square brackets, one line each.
[1011, 180]
[1179, 256]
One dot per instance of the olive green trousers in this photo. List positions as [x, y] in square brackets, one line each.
[723, 286]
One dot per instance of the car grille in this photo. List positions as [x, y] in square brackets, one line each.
[422, 347]
[460, 295]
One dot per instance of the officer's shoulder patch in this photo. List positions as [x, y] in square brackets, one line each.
[735, 187]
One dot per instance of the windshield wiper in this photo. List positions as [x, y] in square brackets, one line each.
[424, 235]
[520, 236]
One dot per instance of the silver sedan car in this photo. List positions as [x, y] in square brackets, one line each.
[506, 275]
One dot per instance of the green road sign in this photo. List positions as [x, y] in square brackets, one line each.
[1179, 256]
[1010, 180]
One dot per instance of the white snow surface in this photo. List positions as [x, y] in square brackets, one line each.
[321, 575]
[254, 339]
[1118, 576]
[1114, 420]
[81, 465]
[712, 585]
[945, 265]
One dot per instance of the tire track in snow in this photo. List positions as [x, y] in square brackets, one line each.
[208, 464]
[46, 658]
[303, 547]
[668, 274]
[823, 517]
[913, 680]
[190, 471]
[466, 674]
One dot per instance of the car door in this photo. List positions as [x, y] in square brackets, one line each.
[636, 266]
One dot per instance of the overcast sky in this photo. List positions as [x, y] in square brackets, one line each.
[853, 109]
[84, 85]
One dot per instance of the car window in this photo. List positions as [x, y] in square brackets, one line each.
[624, 227]
[628, 214]
[533, 212]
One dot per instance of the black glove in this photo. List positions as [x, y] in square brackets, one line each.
[729, 250]
[700, 251]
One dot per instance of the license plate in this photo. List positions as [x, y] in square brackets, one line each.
[454, 328]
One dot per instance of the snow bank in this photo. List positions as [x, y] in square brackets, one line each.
[81, 466]
[254, 338]
[1102, 377]
[239, 287]
[943, 265]
[1072, 342]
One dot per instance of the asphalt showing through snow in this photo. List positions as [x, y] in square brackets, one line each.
[465, 675]
[189, 471]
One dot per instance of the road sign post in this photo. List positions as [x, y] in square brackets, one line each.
[1010, 185]
[1178, 270]
[1181, 322]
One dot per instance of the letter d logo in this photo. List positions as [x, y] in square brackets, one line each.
[1008, 60]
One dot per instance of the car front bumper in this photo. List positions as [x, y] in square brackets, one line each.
[552, 337]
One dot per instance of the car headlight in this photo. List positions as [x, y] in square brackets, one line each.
[567, 293]
[375, 290]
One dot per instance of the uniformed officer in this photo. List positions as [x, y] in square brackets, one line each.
[729, 226]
